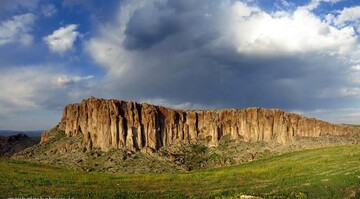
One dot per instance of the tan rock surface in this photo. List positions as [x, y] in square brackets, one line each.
[108, 124]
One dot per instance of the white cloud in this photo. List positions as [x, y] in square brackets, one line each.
[48, 10]
[315, 3]
[284, 3]
[340, 116]
[66, 80]
[356, 68]
[298, 32]
[107, 50]
[241, 10]
[38, 88]
[17, 29]
[350, 92]
[62, 39]
[108, 54]
[20, 85]
[354, 75]
[348, 16]
[169, 104]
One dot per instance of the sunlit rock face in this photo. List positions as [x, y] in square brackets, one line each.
[108, 124]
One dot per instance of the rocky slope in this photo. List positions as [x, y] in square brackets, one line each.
[71, 152]
[116, 124]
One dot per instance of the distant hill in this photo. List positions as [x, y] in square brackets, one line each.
[14, 143]
[35, 133]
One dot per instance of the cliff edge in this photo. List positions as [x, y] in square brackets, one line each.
[115, 124]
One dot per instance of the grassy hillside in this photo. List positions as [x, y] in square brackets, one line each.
[318, 173]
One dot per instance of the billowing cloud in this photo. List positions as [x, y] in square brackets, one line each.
[189, 54]
[298, 32]
[348, 15]
[17, 29]
[226, 54]
[63, 39]
[39, 87]
[31, 99]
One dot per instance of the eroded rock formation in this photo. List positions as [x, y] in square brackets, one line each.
[114, 123]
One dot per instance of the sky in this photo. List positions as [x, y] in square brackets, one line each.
[299, 56]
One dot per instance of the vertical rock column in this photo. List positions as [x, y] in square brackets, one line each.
[114, 123]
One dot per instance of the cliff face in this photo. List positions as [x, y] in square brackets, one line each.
[113, 123]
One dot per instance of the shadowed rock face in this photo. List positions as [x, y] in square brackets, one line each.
[14, 143]
[113, 123]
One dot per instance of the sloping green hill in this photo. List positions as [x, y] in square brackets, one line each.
[319, 173]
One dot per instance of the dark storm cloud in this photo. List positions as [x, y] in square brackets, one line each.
[233, 82]
[150, 25]
[180, 51]
[142, 34]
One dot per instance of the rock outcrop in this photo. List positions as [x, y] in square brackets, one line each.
[107, 124]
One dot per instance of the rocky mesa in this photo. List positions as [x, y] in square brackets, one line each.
[115, 124]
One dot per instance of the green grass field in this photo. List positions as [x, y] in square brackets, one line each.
[319, 173]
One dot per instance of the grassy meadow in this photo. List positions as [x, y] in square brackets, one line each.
[332, 172]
